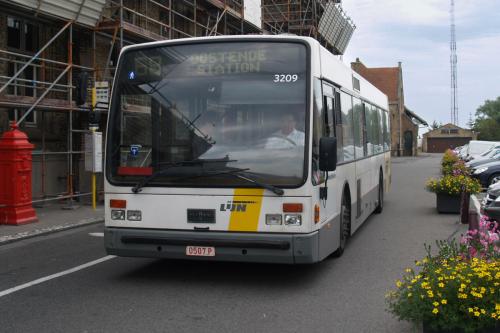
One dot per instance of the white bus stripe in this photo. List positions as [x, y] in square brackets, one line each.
[53, 276]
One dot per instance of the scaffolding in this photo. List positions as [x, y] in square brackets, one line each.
[323, 20]
[39, 87]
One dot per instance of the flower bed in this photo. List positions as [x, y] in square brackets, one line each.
[454, 185]
[454, 182]
[457, 289]
[448, 161]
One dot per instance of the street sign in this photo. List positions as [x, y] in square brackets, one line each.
[102, 93]
[93, 152]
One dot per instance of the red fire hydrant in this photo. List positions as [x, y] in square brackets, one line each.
[15, 178]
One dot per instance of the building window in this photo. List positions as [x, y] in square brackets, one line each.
[22, 35]
[16, 114]
[13, 33]
[25, 83]
[449, 131]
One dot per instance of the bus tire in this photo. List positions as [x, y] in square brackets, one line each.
[380, 206]
[345, 225]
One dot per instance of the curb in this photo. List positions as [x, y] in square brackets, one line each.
[47, 231]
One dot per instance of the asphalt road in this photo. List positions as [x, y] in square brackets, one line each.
[143, 295]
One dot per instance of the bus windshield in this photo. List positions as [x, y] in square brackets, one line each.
[205, 109]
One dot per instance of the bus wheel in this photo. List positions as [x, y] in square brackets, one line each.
[380, 206]
[345, 226]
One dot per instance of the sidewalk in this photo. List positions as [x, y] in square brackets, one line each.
[52, 218]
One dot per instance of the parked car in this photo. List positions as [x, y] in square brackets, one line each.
[476, 163]
[492, 202]
[494, 151]
[488, 173]
[492, 194]
[477, 147]
[462, 153]
[457, 149]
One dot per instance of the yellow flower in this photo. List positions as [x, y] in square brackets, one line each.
[436, 304]
[410, 294]
[441, 284]
[477, 314]
[398, 283]
[435, 311]
[443, 301]
[471, 310]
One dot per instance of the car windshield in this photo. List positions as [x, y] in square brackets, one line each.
[238, 104]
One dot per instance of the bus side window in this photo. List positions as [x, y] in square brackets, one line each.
[358, 122]
[329, 116]
[339, 133]
[365, 110]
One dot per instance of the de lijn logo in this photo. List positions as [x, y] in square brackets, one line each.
[235, 206]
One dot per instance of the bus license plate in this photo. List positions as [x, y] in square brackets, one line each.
[200, 251]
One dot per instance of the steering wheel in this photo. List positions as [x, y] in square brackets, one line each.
[283, 138]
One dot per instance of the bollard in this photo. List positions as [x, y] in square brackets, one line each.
[15, 178]
[464, 207]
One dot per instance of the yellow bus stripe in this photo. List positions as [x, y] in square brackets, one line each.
[247, 220]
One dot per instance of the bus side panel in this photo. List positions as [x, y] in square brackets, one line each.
[329, 228]
[363, 186]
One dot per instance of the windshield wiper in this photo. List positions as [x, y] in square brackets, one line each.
[238, 173]
[138, 187]
[245, 176]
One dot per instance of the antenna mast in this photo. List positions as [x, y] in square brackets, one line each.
[453, 65]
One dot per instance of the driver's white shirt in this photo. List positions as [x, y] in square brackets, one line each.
[280, 141]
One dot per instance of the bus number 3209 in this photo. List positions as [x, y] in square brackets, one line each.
[285, 78]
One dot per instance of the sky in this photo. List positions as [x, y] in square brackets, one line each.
[417, 33]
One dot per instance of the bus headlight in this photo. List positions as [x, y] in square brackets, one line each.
[117, 214]
[273, 219]
[134, 215]
[293, 219]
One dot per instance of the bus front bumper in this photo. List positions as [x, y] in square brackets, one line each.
[229, 246]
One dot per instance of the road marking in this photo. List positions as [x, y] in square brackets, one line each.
[54, 276]
[96, 234]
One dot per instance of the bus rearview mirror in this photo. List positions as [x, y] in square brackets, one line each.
[327, 154]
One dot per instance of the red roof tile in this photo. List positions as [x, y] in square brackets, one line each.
[384, 78]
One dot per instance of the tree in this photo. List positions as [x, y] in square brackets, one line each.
[487, 122]
[435, 125]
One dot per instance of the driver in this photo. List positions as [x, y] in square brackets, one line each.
[288, 136]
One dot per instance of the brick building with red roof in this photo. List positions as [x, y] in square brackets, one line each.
[404, 123]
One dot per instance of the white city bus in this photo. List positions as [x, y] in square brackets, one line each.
[241, 148]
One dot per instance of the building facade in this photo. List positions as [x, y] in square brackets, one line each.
[404, 123]
[448, 136]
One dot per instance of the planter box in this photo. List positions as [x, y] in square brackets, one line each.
[427, 329]
[447, 204]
